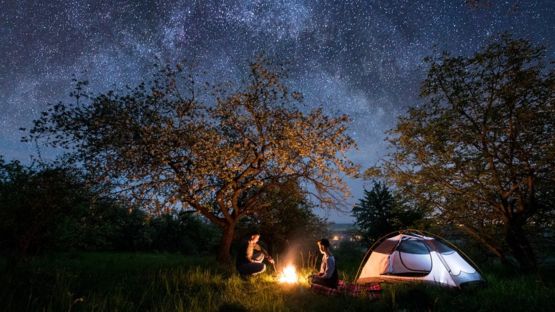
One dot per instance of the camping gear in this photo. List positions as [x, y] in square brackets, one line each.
[413, 256]
[371, 291]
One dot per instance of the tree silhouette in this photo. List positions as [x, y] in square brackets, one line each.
[381, 211]
[179, 142]
[482, 145]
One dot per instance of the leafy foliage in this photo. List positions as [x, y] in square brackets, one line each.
[175, 142]
[110, 226]
[381, 212]
[50, 208]
[31, 203]
[480, 150]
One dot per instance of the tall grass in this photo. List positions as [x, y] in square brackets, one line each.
[167, 282]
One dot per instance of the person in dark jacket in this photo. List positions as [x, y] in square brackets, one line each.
[328, 268]
[251, 255]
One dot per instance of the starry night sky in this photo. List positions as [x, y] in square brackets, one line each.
[362, 58]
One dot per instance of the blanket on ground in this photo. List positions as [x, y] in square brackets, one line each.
[372, 291]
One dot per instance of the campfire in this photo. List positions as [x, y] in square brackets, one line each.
[289, 275]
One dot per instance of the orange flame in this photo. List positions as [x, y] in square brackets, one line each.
[289, 275]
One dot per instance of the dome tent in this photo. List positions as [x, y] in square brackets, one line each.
[412, 256]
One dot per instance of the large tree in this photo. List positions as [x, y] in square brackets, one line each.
[383, 211]
[374, 213]
[481, 146]
[180, 141]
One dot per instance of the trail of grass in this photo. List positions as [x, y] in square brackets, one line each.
[167, 282]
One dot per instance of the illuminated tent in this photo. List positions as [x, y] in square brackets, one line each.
[411, 256]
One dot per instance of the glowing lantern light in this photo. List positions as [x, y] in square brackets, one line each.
[289, 275]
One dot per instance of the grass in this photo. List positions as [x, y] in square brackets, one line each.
[170, 282]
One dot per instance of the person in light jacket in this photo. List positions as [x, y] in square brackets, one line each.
[328, 269]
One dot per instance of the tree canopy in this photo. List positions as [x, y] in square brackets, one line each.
[382, 211]
[32, 200]
[480, 149]
[177, 141]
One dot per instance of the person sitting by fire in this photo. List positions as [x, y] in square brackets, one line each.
[251, 255]
[328, 269]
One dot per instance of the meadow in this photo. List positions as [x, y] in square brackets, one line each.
[101, 281]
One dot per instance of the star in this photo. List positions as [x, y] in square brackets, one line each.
[362, 58]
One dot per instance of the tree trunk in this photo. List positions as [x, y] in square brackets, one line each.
[487, 243]
[225, 244]
[520, 246]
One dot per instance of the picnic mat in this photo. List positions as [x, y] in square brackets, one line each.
[372, 291]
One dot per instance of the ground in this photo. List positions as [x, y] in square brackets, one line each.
[173, 282]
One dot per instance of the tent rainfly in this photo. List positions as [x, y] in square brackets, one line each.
[411, 256]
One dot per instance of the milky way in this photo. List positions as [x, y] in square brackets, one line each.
[363, 58]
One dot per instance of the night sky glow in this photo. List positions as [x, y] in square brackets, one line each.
[362, 58]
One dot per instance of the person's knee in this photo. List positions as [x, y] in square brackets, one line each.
[261, 269]
[258, 257]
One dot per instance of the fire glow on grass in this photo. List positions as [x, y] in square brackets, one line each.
[289, 275]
